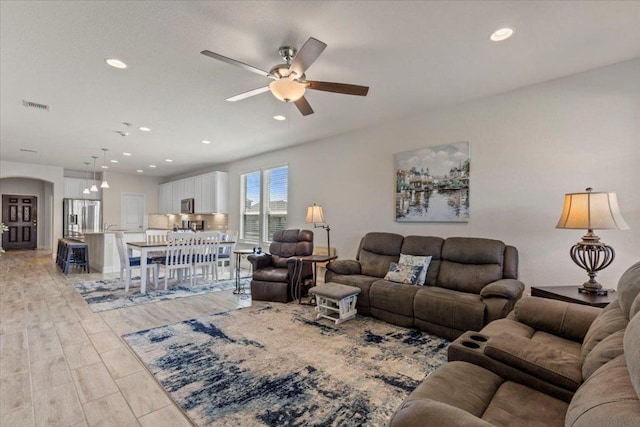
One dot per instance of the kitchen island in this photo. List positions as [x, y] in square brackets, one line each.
[103, 252]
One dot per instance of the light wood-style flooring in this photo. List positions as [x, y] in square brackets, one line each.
[63, 365]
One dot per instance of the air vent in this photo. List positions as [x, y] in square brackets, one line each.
[37, 106]
[28, 150]
[121, 133]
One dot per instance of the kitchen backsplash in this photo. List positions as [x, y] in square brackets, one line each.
[213, 222]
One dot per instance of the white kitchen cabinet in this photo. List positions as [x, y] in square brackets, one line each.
[165, 202]
[210, 191]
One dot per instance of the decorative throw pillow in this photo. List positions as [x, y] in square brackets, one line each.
[422, 261]
[403, 273]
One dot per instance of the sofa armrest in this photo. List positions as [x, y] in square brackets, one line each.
[505, 288]
[542, 361]
[344, 266]
[567, 320]
[430, 413]
[260, 261]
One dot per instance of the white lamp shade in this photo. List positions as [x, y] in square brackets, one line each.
[287, 90]
[591, 211]
[94, 188]
[86, 191]
[104, 184]
[314, 214]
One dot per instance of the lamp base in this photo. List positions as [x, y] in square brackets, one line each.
[593, 291]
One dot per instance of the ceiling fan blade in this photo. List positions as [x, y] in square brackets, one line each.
[236, 63]
[343, 88]
[248, 94]
[303, 106]
[307, 54]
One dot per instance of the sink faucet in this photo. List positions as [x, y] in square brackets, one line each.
[108, 226]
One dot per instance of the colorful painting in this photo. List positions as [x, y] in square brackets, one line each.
[432, 184]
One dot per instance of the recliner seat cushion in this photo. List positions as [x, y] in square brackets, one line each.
[392, 297]
[271, 274]
[457, 310]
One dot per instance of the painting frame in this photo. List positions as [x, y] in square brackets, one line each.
[432, 184]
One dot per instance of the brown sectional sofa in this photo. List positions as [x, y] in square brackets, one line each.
[469, 283]
[549, 363]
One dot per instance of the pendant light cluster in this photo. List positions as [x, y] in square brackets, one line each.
[94, 186]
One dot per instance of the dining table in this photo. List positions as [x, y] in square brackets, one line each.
[146, 248]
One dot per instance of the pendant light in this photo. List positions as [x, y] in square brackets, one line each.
[94, 187]
[104, 184]
[86, 181]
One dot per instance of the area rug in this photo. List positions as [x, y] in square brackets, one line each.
[109, 294]
[275, 365]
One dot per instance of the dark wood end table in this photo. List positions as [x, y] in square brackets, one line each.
[571, 294]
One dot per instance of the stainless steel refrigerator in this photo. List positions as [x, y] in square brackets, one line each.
[81, 216]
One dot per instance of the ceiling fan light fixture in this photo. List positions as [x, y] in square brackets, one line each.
[287, 90]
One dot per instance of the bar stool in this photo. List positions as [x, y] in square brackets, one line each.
[76, 254]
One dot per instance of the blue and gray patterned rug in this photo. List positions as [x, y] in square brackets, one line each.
[275, 365]
[109, 294]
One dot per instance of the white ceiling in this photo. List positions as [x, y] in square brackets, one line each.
[415, 56]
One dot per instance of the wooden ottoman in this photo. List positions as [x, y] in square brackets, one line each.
[336, 301]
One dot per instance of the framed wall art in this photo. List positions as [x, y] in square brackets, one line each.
[432, 184]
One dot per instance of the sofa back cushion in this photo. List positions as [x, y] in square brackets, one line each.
[611, 320]
[468, 264]
[377, 251]
[632, 352]
[425, 246]
[629, 288]
[288, 243]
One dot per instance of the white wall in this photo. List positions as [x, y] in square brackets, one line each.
[528, 148]
[50, 207]
[120, 183]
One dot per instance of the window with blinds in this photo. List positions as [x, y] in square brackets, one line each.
[264, 204]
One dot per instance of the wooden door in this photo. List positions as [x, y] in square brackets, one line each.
[20, 214]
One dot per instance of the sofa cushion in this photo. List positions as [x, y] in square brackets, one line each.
[468, 264]
[392, 297]
[425, 246]
[377, 251]
[611, 320]
[607, 398]
[629, 288]
[606, 350]
[456, 310]
[632, 351]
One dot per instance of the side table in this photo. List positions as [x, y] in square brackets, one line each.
[300, 260]
[571, 294]
[239, 253]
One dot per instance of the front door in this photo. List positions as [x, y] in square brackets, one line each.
[19, 213]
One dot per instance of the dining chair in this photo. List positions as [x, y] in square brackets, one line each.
[156, 236]
[205, 254]
[127, 263]
[225, 253]
[178, 256]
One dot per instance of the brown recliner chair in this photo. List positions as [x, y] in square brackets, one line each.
[275, 274]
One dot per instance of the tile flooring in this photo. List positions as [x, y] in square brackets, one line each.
[63, 365]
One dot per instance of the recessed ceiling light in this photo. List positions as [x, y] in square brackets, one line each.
[168, 160]
[126, 154]
[114, 161]
[139, 171]
[152, 166]
[116, 63]
[501, 34]
[204, 141]
[144, 129]
[279, 117]
[105, 167]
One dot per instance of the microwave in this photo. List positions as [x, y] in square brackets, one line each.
[187, 206]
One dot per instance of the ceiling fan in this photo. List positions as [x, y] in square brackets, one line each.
[289, 81]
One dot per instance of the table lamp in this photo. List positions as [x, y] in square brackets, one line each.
[315, 215]
[592, 211]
